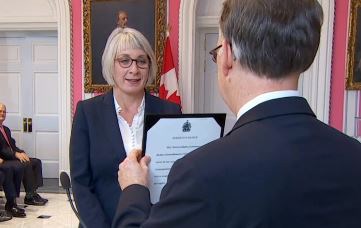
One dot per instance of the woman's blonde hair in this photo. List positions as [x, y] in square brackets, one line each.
[122, 39]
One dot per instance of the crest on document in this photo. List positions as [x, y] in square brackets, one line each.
[187, 126]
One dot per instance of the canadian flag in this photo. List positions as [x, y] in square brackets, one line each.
[168, 88]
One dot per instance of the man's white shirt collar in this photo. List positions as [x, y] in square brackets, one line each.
[266, 97]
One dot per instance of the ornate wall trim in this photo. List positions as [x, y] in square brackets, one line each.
[64, 18]
[187, 14]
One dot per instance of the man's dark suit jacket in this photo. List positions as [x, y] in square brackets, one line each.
[13, 168]
[6, 152]
[279, 167]
[96, 149]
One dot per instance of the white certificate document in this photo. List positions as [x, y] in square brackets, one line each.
[170, 137]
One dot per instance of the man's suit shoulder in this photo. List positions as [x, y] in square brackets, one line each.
[6, 128]
[253, 143]
[338, 135]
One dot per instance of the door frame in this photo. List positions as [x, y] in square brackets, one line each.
[200, 58]
[60, 22]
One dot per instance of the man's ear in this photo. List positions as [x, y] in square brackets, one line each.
[227, 57]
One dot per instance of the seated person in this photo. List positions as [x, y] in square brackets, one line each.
[12, 175]
[33, 177]
[4, 216]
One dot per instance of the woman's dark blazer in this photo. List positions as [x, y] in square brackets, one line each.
[96, 149]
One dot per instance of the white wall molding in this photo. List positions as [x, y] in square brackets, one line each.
[29, 26]
[351, 110]
[65, 58]
[17, 15]
[207, 21]
[187, 53]
[315, 83]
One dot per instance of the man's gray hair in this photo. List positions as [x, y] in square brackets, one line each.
[273, 38]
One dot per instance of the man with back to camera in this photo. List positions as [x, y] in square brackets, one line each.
[32, 174]
[279, 167]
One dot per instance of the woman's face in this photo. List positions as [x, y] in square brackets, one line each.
[131, 71]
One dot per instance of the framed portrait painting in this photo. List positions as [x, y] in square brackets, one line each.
[101, 17]
[353, 81]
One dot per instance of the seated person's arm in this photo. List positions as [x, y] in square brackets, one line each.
[6, 153]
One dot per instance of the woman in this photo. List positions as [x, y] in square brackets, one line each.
[107, 127]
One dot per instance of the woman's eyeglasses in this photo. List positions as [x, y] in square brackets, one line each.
[126, 62]
[214, 53]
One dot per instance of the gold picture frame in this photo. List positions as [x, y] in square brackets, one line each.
[96, 29]
[353, 81]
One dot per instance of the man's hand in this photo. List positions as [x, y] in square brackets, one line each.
[23, 157]
[134, 170]
[1, 160]
[26, 157]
